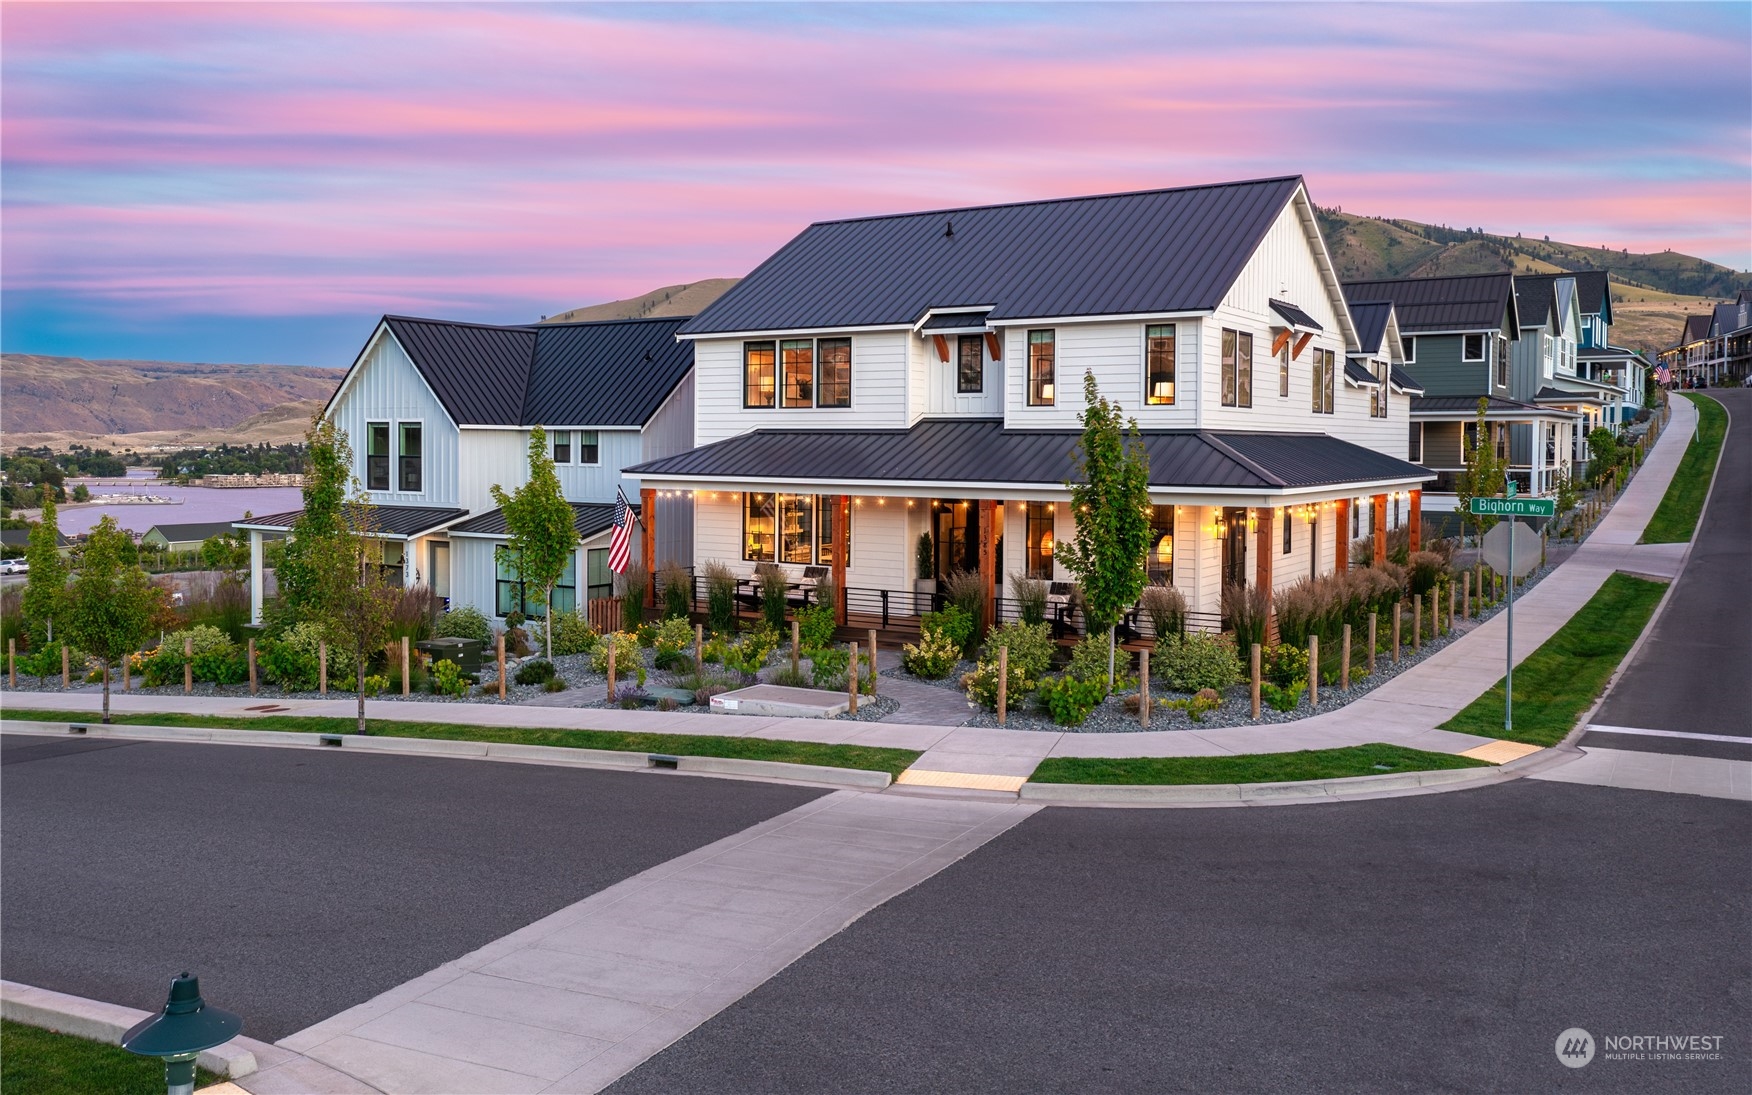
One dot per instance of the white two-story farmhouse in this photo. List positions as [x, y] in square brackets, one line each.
[437, 413]
[884, 379]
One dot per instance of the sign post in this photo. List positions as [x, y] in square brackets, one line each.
[1498, 550]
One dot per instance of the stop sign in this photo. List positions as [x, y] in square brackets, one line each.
[1496, 549]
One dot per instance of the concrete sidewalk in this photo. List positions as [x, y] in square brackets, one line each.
[1404, 711]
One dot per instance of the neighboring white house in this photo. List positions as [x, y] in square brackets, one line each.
[437, 413]
[885, 377]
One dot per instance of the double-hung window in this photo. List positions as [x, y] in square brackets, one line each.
[599, 577]
[1159, 365]
[589, 447]
[1378, 398]
[1284, 370]
[834, 387]
[758, 387]
[797, 356]
[562, 446]
[376, 456]
[1041, 369]
[408, 478]
[1237, 368]
[1039, 535]
[1414, 447]
[1501, 345]
[789, 528]
[969, 365]
[1325, 380]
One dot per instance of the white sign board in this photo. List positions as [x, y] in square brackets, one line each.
[1526, 553]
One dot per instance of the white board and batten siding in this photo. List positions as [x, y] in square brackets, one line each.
[936, 383]
[387, 388]
[491, 458]
[879, 390]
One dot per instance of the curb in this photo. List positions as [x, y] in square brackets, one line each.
[556, 755]
[106, 1023]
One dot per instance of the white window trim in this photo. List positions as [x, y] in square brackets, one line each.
[1483, 349]
[1408, 348]
[1144, 363]
[365, 453]
[395, 440]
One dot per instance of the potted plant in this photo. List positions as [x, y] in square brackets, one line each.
[924, 573]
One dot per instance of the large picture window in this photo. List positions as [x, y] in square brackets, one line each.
[1325, 380]
[1159, 365]
[969, 365]
[797, 356]
[1237, 369]
[409, 467]
[513, 594]
[1039, 534]
[1042, 368]
[835, 386]
[789, 528]
[376, 456]
[758, 386]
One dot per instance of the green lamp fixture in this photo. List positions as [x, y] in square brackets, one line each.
[181, 1031]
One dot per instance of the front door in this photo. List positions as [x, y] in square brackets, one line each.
[1235, 547]
[955, 526]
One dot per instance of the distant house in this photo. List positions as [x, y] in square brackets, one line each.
[1597, 358]
[438, 413]
[184, 537]
[1716, 348]
[16, 540]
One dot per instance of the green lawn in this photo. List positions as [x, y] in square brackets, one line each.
[1357, 760]
[1676, 519]
[42, 1062]
[892, 761]
[1558, 681]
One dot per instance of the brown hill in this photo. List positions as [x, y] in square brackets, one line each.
[687, 299]
[69, 395]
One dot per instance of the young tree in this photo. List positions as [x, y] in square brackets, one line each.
[1483, 477]
[1111, 503]
[541, 525]
[111, 605]
[320, 530]
[47, 587]
[354, 604]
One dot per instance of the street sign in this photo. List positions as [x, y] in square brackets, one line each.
[1513, 507]
[1519, 559]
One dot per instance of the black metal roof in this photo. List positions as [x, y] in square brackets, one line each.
[1403, 380]
[1558, 395]
[392, 522]
[1594, 292]
[191, 530]
[1293, 315]
[1467, 406]
[1370, 318]
[605, 373]
[1468, 302]
[20, 537]
[1536, 298]
[955, 321]
[1358, 373]
[588, 518]
[981, 450]
[1150, 251]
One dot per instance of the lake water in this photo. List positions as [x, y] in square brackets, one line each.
[188, 505]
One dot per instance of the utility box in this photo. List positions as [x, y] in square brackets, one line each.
[465, 653]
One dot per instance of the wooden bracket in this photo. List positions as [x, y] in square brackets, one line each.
[942, 347]
[1301, 342]
[993, 347]
[1282, 340]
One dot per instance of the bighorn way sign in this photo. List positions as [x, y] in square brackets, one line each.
[1514, 507]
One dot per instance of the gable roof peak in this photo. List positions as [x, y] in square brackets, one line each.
[957, 210]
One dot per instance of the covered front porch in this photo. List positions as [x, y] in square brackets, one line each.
[1536, 441]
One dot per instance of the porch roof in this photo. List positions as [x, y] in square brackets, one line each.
[972, 451]
[393, 522]
[1558, 395]
[588, 518]
[1464, 408]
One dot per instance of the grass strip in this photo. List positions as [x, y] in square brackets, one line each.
[1675, 520]
[866, 757]
[1558, 681]
[43, 1062]
[1357, 760]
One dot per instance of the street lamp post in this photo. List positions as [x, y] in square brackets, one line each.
[180, 1032]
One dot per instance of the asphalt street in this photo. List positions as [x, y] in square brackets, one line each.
[299, 882]
[1436, 943]
[1694, 674]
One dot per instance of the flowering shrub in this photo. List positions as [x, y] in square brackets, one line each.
[981, 685]
[932, 657]
[627, 661]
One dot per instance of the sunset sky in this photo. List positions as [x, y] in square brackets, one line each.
[230, 182]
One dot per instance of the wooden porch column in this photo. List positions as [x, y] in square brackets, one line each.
[842, 520]
[1262, 562]
[1378, 506]
[1341, 554]
[988, 561]
[648, 542]
[1417, 520]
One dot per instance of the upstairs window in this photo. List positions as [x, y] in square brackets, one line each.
[1237, 369]
[1159, 365]
[409, 473]
[1324, 380]
[1501, 346]
[1472, 348]
[376, 456]
[834, 388]
[969, 365]
[797, 355]
[1378, 398]
[1284, 370]
[1042, 369]
[562, 446]
[1408, 346]
[1414, 448]
[758, 388]
[589, 451]
[1039, 534]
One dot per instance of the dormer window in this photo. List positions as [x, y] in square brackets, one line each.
[1159, 368]
[969, 365]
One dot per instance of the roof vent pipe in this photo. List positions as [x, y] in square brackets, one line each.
[949, 230]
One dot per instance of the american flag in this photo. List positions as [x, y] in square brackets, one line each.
[1661, 374]
[620, 544]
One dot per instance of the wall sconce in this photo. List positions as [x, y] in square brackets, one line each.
[1252, 521]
